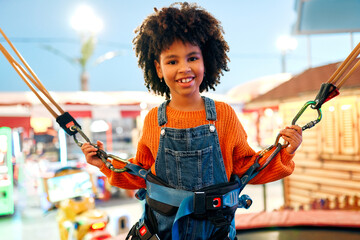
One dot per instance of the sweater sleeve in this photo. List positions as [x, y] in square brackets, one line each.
[244, 156]
[143, 158]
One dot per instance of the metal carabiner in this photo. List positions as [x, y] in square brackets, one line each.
[78, 129]
[306, 126]
[100, 153]
[286, 143]
[311, 123]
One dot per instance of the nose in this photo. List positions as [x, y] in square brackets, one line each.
[184, 67]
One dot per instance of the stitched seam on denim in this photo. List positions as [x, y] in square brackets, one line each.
[178, 168]
[158, 152]
[219, 154]
[199, 161]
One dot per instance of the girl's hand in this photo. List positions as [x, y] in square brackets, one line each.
[90, 153]
[293, 135]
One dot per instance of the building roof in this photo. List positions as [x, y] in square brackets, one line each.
[247, 91]
[306, 82]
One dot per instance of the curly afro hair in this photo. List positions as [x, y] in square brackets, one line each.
[188, 23]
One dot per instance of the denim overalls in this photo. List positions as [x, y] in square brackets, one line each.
[189, 159]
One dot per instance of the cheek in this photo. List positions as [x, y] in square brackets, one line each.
[201, 71]
[168, 73]
[202, 68]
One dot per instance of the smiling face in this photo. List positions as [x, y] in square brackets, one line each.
[182, 68]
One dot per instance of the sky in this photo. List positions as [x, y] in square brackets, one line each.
[251, 27]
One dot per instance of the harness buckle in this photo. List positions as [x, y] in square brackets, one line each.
[144, 232]
[199, 203]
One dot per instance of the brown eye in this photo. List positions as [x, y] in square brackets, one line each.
[191, 59]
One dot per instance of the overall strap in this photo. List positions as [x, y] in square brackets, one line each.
[162, 119]
[210, 109]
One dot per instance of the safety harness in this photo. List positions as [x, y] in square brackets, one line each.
[216, 203]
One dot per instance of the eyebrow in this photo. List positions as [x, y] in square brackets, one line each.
[191, 53]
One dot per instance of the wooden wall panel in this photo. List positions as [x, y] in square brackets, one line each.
[327, 165]
[329, 129]
[348, 122]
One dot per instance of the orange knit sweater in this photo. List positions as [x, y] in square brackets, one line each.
[237, 154]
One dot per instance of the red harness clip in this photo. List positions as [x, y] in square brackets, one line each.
[143, 230]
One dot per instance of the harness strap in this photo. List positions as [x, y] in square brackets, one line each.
[200, 202]
[170, 196]
[136, 170]
[174, 197]
[145, 229]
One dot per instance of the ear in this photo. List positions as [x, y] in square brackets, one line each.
[158, 69]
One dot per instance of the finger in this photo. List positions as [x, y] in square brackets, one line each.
[287, 138]
[91, 154]
[295, 142]
[100, 145]
[288, 132]
[85, 145]
[294, 139]
[293, 131]
[291, 141]
[89, 147]
[296, 128]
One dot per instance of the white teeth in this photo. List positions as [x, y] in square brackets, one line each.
[186, 80]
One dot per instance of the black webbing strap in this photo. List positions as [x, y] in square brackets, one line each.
[66, 121]
[327, 92]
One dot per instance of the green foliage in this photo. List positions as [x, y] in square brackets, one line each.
[87, 50]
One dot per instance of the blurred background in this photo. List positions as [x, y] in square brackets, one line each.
[281, 51]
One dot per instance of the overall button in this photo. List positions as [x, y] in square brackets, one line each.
[212, 128]
[162, 132]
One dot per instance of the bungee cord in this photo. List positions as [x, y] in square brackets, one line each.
[327, 91]
[65, 120]
[29, 79]
[344, 66]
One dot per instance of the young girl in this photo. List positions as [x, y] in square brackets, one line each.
[189, 143]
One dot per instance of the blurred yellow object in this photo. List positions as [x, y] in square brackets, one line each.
[77, 217]
[91, 220]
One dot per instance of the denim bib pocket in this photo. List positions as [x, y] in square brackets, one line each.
[194, 169]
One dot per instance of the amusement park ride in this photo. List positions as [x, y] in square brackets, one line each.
[328, 90]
